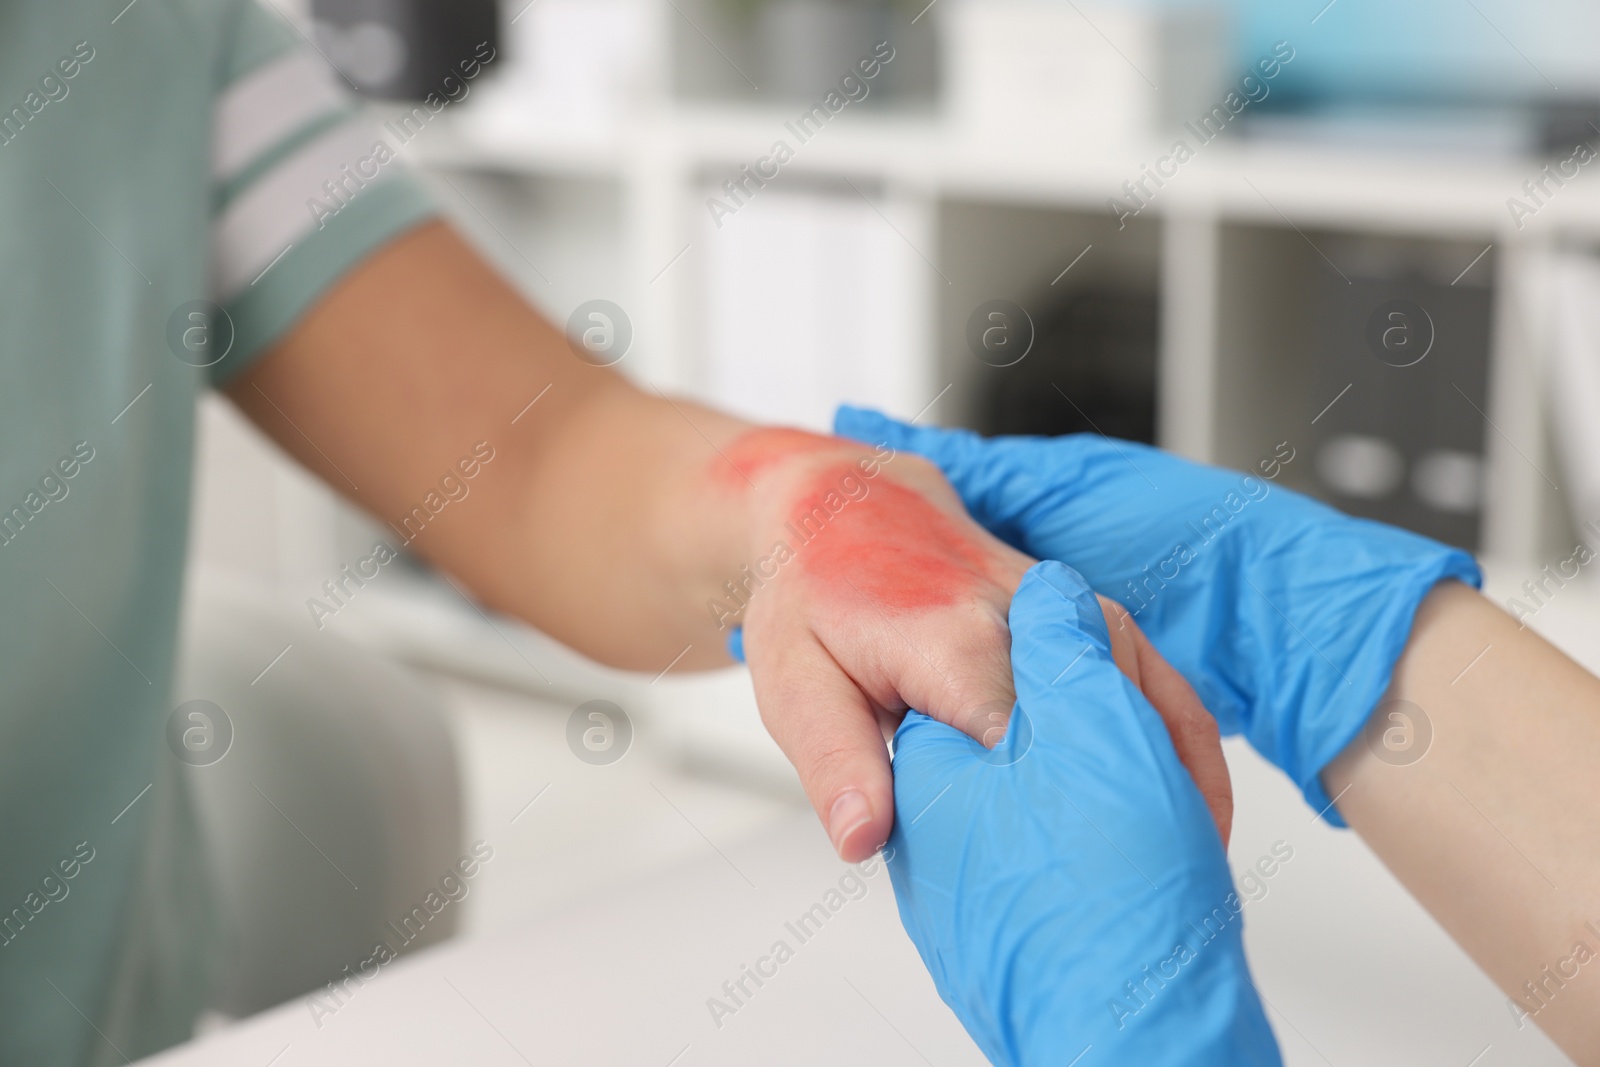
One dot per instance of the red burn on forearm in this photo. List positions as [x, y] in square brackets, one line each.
[890, 544]
[855, 533]
[751, 453]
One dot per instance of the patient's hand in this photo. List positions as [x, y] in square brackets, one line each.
[869, 590]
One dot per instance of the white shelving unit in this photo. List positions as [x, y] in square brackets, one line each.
[1223, 245]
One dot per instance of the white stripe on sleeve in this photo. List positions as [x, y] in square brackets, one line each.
[267, 105]
[272, 213]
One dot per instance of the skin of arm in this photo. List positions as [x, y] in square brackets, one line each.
[1494, 829]
[616, 519]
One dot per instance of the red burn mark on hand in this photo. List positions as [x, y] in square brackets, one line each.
[752, 452]
[886, 542]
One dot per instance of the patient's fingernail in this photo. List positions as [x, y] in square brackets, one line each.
[850, 813]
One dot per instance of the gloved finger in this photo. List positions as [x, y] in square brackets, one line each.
[830, 732]
[1194, 730]
[1086, 715]
[1054, 614]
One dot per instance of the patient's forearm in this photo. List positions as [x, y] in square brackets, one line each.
[1496, 828]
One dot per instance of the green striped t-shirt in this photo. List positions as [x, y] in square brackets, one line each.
[158, 160]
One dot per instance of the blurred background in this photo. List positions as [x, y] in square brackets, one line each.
[1373, 252]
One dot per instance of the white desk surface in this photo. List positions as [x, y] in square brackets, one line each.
[1352, 969]
[1354, 972]
[624, 979]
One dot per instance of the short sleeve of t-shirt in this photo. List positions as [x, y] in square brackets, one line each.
[303, 186]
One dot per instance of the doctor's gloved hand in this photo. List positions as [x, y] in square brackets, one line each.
[1067, 889]
[1285, 615]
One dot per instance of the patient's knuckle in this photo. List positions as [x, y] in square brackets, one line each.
[980, 627]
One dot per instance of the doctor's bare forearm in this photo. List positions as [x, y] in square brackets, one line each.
[1482, 800]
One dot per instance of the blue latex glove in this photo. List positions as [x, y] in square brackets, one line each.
[1068, 889]
[1285, 615]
